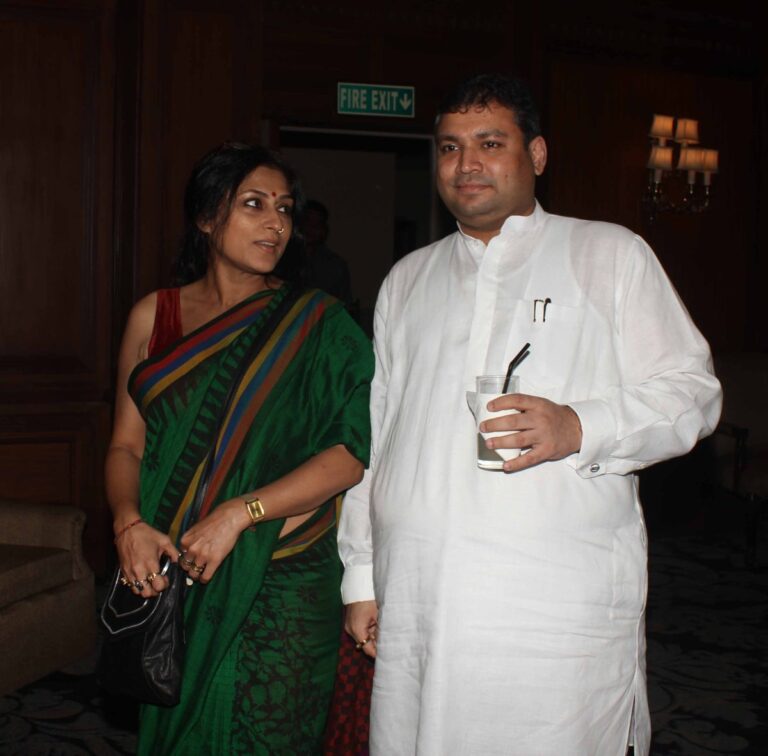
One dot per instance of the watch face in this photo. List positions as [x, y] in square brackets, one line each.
[255, 509]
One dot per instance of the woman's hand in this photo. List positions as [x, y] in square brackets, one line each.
[139, 550]
[208, 542]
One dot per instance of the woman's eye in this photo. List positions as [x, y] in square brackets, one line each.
[287, 209]
[253, 202]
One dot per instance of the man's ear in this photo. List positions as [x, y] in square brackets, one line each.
[537, 149]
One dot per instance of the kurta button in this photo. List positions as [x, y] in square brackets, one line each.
[594, 468]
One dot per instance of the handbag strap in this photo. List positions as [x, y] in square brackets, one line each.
[273, 320]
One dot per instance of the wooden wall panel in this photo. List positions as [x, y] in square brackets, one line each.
[56, 177]
[55, 199]
[35, 468]
[199, 84]
[198, 100]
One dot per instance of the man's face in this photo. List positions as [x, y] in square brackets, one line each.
[485, 173]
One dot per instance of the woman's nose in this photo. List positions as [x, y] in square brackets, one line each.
[276, 220]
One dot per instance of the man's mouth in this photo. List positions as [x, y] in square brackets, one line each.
[471, 186]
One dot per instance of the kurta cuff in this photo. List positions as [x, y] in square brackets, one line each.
[598, 434]
[357, 584]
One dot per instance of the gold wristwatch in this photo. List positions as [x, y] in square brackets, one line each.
[255, 509]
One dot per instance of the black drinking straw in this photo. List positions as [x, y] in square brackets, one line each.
[516, 360]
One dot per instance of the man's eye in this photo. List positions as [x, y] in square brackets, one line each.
[492, 145]
[447, 148]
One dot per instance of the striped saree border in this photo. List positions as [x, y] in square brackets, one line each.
[302, 538]
[154, 375]
[258, 381]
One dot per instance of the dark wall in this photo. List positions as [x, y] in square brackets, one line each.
[56, 187]
[597, 171]
[106, 103]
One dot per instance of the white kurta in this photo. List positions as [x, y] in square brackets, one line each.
[512, 606]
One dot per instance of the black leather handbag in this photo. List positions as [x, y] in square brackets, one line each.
[143, 651]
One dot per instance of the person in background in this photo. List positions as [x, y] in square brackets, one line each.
[263, 615]
[505, 609]
[322, 267]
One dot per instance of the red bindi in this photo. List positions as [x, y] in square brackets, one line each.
[274, 195]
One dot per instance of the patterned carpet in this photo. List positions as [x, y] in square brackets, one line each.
[707, 648]
[707, 665]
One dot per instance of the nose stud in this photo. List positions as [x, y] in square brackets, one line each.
[281, 229]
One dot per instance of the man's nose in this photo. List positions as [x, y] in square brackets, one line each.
[469, 160]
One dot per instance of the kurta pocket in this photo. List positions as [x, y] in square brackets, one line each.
[630, 563]
[559, 346]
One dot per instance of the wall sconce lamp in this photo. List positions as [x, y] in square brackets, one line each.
[668, 161]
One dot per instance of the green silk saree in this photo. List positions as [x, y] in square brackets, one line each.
[262, 636]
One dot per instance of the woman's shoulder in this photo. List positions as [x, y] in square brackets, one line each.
[141, 320]
[144, 310]
[142, 315]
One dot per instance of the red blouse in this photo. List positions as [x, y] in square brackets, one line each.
[167, 328]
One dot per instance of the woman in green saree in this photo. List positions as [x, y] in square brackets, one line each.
[263, 615]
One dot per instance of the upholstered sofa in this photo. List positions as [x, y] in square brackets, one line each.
[47, 604]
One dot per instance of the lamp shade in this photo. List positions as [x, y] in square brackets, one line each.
[691, 159]
[687, 131]
[662, 127]
[660, 158]
[709, 161]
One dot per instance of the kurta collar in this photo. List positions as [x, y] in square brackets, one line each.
[523, 224]
[515, 225]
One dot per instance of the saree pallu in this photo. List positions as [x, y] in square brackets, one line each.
[273, 606]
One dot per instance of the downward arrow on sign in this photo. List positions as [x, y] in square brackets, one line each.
[405, 102]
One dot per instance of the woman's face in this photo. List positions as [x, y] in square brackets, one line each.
[260, 222]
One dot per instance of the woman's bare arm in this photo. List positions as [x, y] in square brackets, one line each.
[209, 541]
[140, 547]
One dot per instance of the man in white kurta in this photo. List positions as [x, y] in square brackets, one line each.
[510, 605]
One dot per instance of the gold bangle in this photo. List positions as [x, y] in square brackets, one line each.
[255, 509]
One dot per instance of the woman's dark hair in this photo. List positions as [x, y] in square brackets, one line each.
[208, 199]
[482, 90]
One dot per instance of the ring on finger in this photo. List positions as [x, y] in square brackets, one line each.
[359, 645]
[149, 578]
[194, 566]
[138, 585]
[124, 581]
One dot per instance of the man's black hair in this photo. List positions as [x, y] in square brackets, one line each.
[484, 89]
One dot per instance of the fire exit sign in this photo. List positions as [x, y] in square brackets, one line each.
[375, 100]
